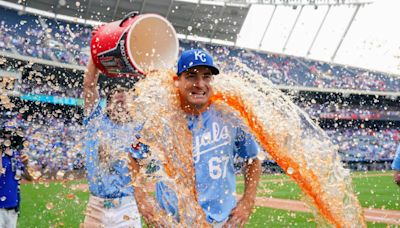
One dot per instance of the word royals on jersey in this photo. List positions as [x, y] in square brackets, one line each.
[214, 139]
[218, 139]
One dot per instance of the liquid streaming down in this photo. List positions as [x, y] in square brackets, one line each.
[283, 130]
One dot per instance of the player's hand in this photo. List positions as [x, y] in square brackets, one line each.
[240, 214]
[95, 29]
[149, 215]
[397, 178]
[24, 159]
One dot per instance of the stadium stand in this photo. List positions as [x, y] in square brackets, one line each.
[67, 42]
[54, 142]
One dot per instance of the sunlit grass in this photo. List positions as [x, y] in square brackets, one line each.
[374, 189]
[58, 204]
[52, 205]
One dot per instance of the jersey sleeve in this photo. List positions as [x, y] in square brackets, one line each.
[93, 123]
[396, 161]
[138, 149]
[97, 111]
[246, 146]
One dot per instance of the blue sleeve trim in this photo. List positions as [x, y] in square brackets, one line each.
[95, 113]
[246, 146]
[139, 151]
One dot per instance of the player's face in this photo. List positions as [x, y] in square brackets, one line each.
[117, 105]
[194, 86]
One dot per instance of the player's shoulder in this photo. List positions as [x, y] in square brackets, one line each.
[96, 113]
[227, 117]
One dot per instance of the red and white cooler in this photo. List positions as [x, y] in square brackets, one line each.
[134, 45]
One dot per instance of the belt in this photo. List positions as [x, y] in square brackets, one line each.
[109, 203]
[16, 209]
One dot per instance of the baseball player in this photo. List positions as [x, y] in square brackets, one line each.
[218, 140]
[111, 202]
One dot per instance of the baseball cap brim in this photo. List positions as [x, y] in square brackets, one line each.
[213, 69]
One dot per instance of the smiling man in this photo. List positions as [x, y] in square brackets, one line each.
[218, 139]
[195, 73]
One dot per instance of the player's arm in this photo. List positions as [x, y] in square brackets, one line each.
[146, 209]
[90, 87]
[241, 213]
[397, 177]
[396, 166]
[25, 160]
[252, 177]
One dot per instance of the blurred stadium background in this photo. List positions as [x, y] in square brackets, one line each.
[337, 59]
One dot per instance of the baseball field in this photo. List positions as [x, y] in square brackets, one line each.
[62, 203]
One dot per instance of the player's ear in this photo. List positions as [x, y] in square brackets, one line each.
[176, 81]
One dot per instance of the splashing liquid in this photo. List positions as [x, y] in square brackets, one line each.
[298, 145]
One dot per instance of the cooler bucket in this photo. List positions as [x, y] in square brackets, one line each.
[134, 45]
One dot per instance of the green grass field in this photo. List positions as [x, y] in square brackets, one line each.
[373, 191]
[59, 204]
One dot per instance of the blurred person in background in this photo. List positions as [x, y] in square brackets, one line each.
[111, 202]
[396, 166]
[13, 166]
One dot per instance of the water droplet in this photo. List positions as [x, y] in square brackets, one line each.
[189, 28]
[70, 196]
[77, 4]
[7, 143]
[49, 206]
[3, 198]
[290, 171]
[60, 174]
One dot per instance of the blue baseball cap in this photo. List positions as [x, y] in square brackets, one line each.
[196, 57]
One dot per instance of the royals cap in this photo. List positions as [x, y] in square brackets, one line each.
[196, 57]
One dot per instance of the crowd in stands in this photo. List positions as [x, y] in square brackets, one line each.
[31, 87]
[55, 146]
[294, 71]
[66, 42]
[44, 38]
[322, 111]
[52, 145]
[365, 144]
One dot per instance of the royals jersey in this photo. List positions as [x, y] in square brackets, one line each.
[218, 140]
[107, 147]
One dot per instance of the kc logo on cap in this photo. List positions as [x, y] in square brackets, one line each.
[200, 55]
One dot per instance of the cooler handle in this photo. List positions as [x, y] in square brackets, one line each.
[129, 15]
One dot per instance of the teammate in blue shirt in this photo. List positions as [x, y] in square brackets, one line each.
[218, 140]
[107, 147]
[396, 166]
[13, 166]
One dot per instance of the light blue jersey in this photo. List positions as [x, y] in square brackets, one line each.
[396, 160]
[218, 140]
[105, 144]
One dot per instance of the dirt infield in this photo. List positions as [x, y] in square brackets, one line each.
[372, 215]
[281, 180]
